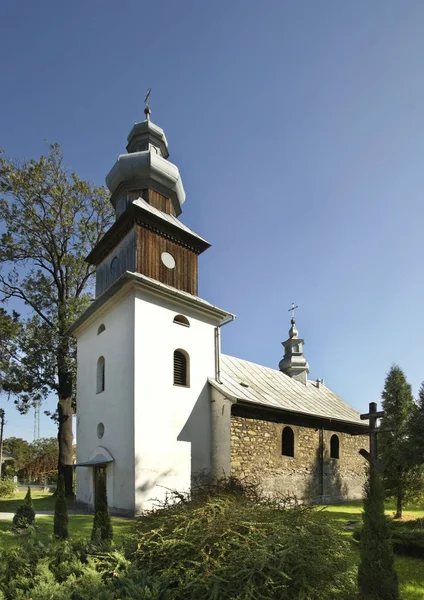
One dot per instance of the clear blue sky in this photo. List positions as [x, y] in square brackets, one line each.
[298, 128]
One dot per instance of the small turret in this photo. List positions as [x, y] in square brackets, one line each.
[294, 363]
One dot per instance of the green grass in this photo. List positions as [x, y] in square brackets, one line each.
[79, 527]
[40, 500]
[410, 570]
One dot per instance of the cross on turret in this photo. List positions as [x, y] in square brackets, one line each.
[292, 309]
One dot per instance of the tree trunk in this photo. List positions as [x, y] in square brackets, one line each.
[399, 499]
[65, 436]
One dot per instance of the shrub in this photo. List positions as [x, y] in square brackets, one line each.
[28, 497]
[102, 526]
[226, 545]
[407, 537]
[376, 574]
[60, 521]
[7, 487]
[24, 516]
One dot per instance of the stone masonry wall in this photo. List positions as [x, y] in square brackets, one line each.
[256, 456]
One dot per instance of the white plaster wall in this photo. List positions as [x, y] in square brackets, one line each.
[114, 407]
[172, 423]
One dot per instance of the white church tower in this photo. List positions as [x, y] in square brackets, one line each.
[148, 343]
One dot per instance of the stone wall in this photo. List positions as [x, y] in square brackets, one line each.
[256, 456]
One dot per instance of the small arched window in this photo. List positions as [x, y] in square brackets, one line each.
[181, 368]
[101, 329]
[287, 442]
[335, 446]
[101, 375]
[181, 320]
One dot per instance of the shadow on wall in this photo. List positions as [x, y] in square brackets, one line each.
[325, 484]
[197, 431]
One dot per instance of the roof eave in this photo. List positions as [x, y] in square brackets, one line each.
[129, 281]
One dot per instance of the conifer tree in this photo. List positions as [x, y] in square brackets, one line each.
[28, 498]
[416, 431]
[400, 477]
[376, 574]
[60, 526]
[102, 526]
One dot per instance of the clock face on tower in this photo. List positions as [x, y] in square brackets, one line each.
[168, 260]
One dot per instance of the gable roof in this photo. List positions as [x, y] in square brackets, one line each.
[248, 382]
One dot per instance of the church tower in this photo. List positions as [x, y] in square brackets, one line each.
[294, 363]
[148, 344]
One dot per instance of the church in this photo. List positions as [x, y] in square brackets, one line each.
[158, 405]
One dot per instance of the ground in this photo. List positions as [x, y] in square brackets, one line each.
[410, 570]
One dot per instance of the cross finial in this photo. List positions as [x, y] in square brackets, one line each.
[147, 110]
[292, 309]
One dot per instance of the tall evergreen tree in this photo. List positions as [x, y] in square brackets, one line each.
[416, 430]
[102, 525]
[61, 518]
[400, 477]
[51, 220]
[376, 574]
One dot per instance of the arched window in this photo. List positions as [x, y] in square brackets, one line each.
[287, 445]
[181, 320]
[181, 368]
[335, 446]
[101, 329]
[101, 375]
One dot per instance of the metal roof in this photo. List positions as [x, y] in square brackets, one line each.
[249, 382]
[99, 459]
[141, 203]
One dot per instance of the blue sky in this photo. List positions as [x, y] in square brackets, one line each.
[298, 128]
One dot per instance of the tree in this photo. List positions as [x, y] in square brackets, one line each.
[416, 430]
[401, 479]
[28, 498]
[60, 521]
[102, 526]
[376, 573]
[21, 450]
[52, 219]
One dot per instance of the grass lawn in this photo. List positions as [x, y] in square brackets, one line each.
[410, 570]
[41, 501]
[79, 525]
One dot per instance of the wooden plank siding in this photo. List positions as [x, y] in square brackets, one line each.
[153, 198]
[150, 246]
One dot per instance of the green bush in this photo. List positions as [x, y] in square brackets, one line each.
[227, 545]
[102, 525]
[28, 497]
[24, 516]
[61, 519]
[7, 487]
[377, 577]
[407, 537]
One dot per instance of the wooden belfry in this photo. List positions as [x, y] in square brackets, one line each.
[372, 455]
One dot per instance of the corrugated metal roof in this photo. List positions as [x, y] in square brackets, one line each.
[165, 217]
[254, 383]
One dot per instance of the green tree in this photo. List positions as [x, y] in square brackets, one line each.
[28, 498]
[401, 479]
[416, 430]
[21, 450]
[51, 219]
[60, 521]
[376, 574]
[102, 526]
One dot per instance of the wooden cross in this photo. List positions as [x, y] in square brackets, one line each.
[292, 309]
[372, 455]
